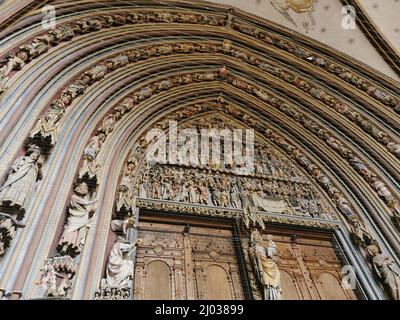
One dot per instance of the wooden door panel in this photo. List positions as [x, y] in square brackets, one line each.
[289, 287]
[195, 263]
[217, 284]
[213, 248]
[199, 262]
[158, 281]
[331, 288]
[310, 268]
[162, 250]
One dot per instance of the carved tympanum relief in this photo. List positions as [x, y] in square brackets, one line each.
[275, 184]
[224, 184]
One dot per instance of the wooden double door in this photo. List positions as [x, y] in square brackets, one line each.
[179, 261]
[185, 259]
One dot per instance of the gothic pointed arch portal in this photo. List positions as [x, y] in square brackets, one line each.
[79, 197]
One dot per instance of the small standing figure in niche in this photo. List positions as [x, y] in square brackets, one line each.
[229, 18]
[194, 196]
[203, 191]
[80, 217]
[94, 146]
[48, 281]
[235, 196]
[167, 190]
[183, 194]
[265, 264]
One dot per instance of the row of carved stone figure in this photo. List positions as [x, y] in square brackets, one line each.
[47, 128]
[67, 31]
[43, 43]
[91, 167]
[224, 190]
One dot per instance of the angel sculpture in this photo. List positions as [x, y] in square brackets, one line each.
[298, 6]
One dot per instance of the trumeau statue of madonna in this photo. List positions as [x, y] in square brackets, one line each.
[266, 267]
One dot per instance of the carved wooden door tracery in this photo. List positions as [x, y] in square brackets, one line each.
[179, 262]
[311, 268]
[182, 259]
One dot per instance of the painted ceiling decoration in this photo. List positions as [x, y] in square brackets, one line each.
[77, 100]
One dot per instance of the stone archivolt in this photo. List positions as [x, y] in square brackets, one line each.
[58, 272]
[45, 131]
[46, 137]
[109, 122]
[354, 160]
[125, 194]
[16, 59]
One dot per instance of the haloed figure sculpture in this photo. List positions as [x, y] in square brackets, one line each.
[264, 259]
